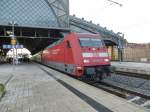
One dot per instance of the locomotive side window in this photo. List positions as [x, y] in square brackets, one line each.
[68, 44]
[91, 42]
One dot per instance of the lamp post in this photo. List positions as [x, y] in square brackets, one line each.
[120, 46]
[13, 40]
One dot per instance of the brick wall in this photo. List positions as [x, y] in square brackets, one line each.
[137, 52]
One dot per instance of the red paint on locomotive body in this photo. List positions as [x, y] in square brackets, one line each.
[78, 54]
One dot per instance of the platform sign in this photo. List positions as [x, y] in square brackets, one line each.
[13, 41]
[19, 46]
[7, 46]
[12, 46]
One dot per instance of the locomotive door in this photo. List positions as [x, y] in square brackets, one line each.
[67, 56]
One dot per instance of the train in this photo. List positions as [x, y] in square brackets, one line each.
[81, 55]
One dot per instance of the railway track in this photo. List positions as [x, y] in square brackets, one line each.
[110, 89]
[120, 90]
[127, 90]
[131, 74]
[130, 96]
[134, 95]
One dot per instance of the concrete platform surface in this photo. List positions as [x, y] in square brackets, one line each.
[4, 78]
[32, 90]
[36, 88]
[141, 68]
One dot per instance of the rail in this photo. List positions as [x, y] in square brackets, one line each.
[131, 74]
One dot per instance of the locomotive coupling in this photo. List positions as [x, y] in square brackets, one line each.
[103, 70]
[112, 69]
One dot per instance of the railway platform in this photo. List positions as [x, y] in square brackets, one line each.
[132, 67]
[36, 88]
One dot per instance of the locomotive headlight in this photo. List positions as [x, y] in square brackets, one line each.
[86, 61]
[106, 60]
[79, 67]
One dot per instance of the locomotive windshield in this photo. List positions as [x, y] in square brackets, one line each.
[91, 42]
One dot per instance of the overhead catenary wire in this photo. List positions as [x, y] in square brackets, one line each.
[114, 2]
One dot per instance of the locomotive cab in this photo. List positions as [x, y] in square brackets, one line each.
[95, 59]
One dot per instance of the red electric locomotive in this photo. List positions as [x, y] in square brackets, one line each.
[81, 55]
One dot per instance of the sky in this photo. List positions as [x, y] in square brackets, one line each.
[132, 19]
